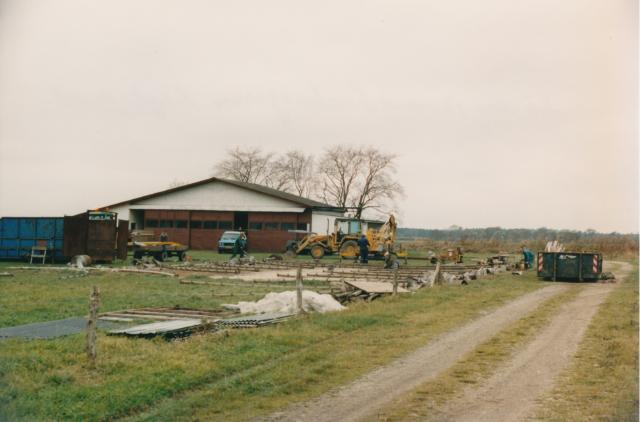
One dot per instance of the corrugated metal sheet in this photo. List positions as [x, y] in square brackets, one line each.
[51, 329]
[159, 328]
[247, 321]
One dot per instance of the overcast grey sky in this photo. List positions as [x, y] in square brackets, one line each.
[502, 112]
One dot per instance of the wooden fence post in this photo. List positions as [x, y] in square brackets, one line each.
[299, 289]
[395, 282]
[436, 274]
[94, 302]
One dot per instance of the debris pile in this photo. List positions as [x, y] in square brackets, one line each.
[286, 302]
[554, 246]
[80, 261]
[254, 321]
[434, 277]
[243, 260]
[365, 290]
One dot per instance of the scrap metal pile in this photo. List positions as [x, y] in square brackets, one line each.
[347, 281]
[181, 322]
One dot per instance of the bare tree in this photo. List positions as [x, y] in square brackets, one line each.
[339, 168]
[295, 172]
[358, 179]
[347, 177]
[250, 165]
[375, 184]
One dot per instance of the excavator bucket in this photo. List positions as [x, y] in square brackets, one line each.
[387, 232]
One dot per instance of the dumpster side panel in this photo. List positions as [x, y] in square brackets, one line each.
[45, 228]
[568, 266]
[545, 264]
[123, 238]
[26, 228]
[75, 235]
[591, 266]
[576, 266]
[19, 234]
[101, 240]
[9, 228]
[8, 238]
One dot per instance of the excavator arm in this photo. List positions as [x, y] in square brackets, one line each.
[310, 240]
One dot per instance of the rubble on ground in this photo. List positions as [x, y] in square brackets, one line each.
[244, 260]
[366, 290]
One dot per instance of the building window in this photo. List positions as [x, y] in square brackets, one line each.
[152, 223]
[302, 226]
[196, 224]
[271, 226]
[255, 226]
[181, 224]
[166, 223]
[210, 225]
[287, 226]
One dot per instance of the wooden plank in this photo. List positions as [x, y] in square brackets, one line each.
[375, 286]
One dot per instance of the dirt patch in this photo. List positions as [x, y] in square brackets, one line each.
[511, 393]
[364, 397]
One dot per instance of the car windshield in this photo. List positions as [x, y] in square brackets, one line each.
[230, 236]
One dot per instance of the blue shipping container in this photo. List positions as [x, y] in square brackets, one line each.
[19, 234]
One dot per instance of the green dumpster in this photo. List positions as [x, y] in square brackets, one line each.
[570, 266]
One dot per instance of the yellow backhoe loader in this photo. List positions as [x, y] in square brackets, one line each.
[344, 239]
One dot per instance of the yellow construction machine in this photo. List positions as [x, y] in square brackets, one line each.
[344, 239]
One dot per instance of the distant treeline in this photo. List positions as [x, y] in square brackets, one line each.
[507, 235]
[500, 239]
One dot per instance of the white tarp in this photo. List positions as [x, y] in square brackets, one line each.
[286, 302]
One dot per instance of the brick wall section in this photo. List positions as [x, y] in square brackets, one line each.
[274, 240]
[175, 234]
[207, 239]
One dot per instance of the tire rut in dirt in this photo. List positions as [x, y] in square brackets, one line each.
[362, 398]
[510, 393]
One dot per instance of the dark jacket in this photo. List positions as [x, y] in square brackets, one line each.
[363, 243]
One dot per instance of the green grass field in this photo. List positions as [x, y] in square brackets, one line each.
[602, 382]
[234, 375]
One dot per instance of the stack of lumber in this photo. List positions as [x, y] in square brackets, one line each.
[365, 290]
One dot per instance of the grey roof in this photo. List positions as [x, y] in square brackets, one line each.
[306, 202]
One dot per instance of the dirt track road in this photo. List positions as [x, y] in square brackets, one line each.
[511, 393]
[508, 395]
[364, 397]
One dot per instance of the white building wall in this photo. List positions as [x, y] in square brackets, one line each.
[123, 212]
[218, 196]
[320, 220]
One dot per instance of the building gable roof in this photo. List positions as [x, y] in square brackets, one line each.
[305, 202]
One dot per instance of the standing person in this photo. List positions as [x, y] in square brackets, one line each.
[238, 246]
[164, 237]
[364, 249]
[243, 245]
[528, 257]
